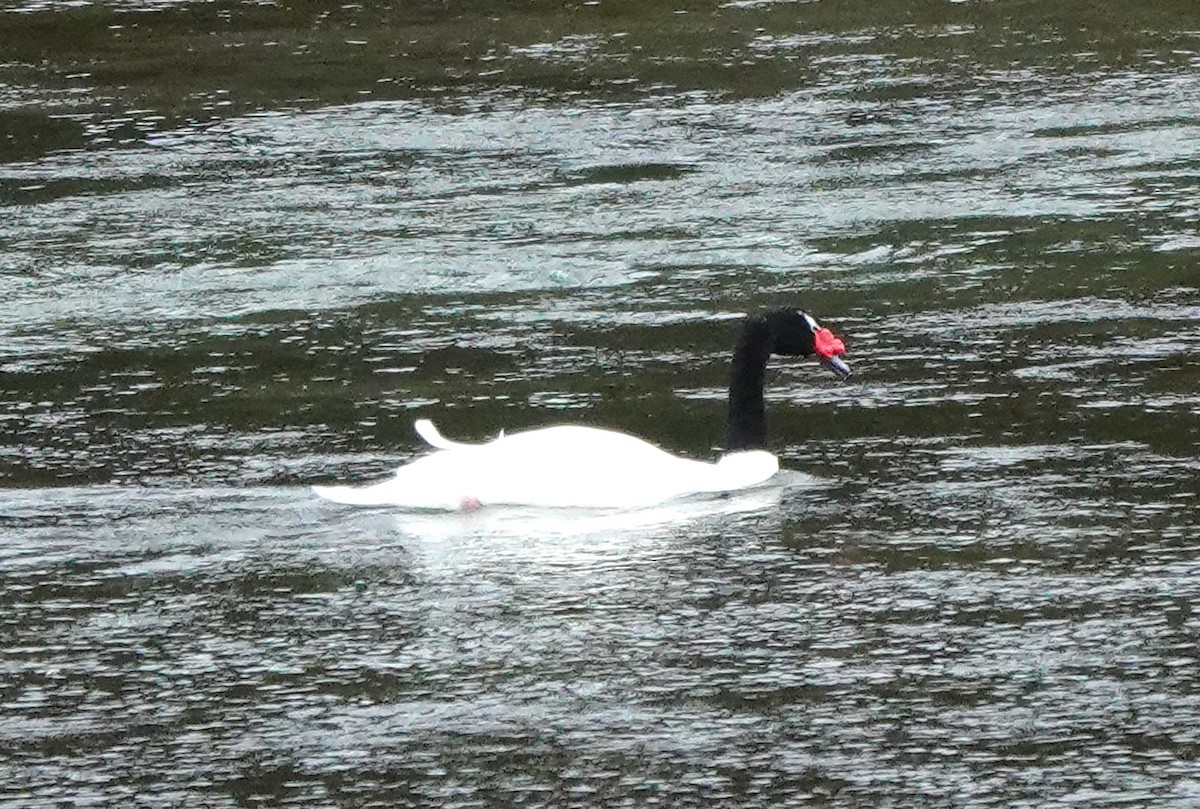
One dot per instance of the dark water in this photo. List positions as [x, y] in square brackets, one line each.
[242, 246]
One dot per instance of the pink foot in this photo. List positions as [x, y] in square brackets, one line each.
[470, 504]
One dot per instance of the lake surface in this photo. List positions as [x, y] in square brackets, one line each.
[243, 246]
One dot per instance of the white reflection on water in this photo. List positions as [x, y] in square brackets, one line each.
[156, 530]
[573, 538]
[242, 217]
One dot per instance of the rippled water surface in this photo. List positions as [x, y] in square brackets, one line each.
[243, 246]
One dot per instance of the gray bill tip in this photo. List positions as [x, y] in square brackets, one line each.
[837, 365]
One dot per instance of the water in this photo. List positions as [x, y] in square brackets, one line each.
[243, 246]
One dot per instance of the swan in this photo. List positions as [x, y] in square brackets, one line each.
[572, 466]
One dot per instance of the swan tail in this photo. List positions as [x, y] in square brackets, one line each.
[426, 429]
[433, 437]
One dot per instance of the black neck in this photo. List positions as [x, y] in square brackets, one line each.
[746, 427]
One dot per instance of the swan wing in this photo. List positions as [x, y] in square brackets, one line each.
[581, 467]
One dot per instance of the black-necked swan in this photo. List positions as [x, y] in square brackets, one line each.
[588, 467]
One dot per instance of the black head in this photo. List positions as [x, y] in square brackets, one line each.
[794, 333]
[791, 332]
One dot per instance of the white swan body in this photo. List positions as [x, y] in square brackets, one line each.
[553, 467]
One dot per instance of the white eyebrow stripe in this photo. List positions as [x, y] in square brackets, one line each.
[812, 324]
